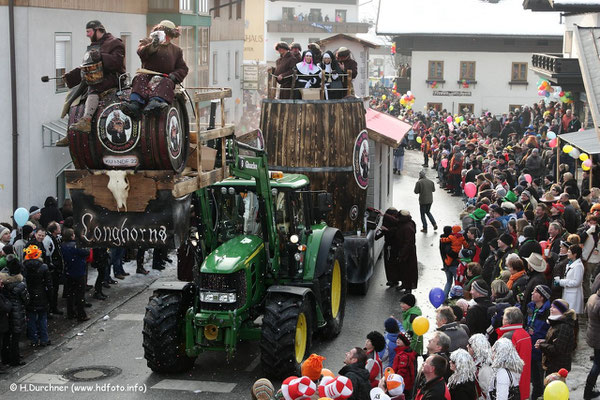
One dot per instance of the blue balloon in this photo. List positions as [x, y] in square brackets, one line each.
[550, 135]
[437, 297]
[21, 216]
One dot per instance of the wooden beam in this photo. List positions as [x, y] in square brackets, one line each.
[185, 186]
[214, 176]
[217, 133]
[208, 94]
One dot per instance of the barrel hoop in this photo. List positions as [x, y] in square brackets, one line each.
[311, 169]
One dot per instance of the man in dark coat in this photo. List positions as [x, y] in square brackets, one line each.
[425, 188]
[110, 51]
[571, 217]
[16, 292]
[407, 251]
[435, 387]
[355, 370]
[478, 318]
[347, 64]
[153, 91]
[529, 245]
[284, 69]
[388, 231]
[50, 212]
[5, 309]
[39, 284]
[75, 276]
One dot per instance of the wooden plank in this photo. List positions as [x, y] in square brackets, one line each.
[217, 133]
[185, 186]
[212, 177]
[208, 94]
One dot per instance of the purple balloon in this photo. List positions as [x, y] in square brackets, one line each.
[437, 297]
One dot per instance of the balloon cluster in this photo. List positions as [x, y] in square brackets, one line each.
[566, 97]
[545, 88]
[393, 48]
[434, 84]
[407, 100]
[465, 84]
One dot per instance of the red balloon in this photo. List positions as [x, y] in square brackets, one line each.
[553, 143]
[445, 163]
[470, 189]
[528, 178]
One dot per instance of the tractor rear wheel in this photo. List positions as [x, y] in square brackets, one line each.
[164, 334]
[286, 335]
[333, 284]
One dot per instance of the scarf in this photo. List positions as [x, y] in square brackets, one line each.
[513, 278]
[310, 66]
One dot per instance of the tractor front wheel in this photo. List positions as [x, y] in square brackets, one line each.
[286, 335]
[333, 285]
[164, 334]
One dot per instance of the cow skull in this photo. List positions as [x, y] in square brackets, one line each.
[118, 184]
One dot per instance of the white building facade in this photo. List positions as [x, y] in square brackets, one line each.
[48, 42]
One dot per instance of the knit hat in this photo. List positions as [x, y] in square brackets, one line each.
[506, 239]
[94, 24]
[3, 230]
[481, 286]
[510, 196]
[544, 291]
[404, 338]
[561, 305]
[13, 264]
[394, 384]
[378, 394]
[526, 193]
[478, 214]
[339, 388]
[501, 193]
[456, 292]
[391, 325]
[32, 252]
[561, 375]
[456, 229]
[8, 249]
[537, 263]
[262, 390]
[377, 340]
[485, 208]
[312, 366]
[559, 207]
[294, 388]
[34, 210]
[408, 299]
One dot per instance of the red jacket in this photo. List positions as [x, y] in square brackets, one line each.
[405, 362]
[522, 342]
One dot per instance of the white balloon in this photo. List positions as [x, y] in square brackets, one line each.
[409, 93]
[575, 153]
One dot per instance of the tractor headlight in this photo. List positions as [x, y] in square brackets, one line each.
[218, 297]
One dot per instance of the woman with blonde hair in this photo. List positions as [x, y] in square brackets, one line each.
[507, 367]
[461, 383]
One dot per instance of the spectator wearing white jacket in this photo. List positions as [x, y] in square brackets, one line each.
[572, 283]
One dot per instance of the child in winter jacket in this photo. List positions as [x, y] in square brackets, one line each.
[405, 363]
[392, 327]
[456, 241]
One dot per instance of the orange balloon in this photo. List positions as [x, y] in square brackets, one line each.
[327, 372]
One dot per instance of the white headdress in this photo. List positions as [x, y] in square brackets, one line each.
[482, 350]
[504, 355]
[465, 368]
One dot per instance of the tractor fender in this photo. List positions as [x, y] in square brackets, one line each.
[187, 290]
[297, 291]
[326, 241]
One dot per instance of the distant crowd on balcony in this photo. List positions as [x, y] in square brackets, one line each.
[312, 17]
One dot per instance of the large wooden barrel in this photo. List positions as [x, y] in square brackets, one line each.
[327, 141]
[116, 141]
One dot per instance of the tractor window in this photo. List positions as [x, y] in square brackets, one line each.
[251, 217]
[282, 219]
[237, 213]
[297, 209]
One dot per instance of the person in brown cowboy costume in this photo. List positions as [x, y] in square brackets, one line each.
[110, 51]
[153, 89]
[284, 68]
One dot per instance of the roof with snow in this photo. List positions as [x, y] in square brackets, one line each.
[465, 18]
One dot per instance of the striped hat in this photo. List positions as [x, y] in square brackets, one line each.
[294, 388]
[339, 388]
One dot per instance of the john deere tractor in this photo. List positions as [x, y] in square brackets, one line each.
[263, 251]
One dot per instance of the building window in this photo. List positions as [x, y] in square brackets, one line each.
[519, 71]
[464, 108]
[188, 44]
[313, 40]
[204, 45]
[238, 10]
[217, 11]
[287, 13]
[340, 15]
[186, 6]
[467, 70]
[436, 70]
[315, 15]
[288, 40]
[434, 106]
[203, 6]
[215, 69]
[236, 66]
[62, 58]
[228, 65]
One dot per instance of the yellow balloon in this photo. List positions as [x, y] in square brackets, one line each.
[419, 140]
[457, 120]
[420, 326]
[585, 167]
[384, 97]
[391, 108]
[583, 156]
[556, 390]
[568, 148]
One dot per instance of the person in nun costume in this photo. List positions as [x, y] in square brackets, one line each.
[333, 80]
[309, 74]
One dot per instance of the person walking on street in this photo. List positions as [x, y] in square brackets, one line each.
[425, 188]
[75, 274]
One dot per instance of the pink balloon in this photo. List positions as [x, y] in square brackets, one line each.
[588, 163]
[449, 119]
[445, 163]
[470, 189]
[528, 178]
[553, 143]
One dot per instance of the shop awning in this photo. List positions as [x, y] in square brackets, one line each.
[384, 128]
[586, 141]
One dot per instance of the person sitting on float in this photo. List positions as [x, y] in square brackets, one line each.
[309, 74]
[162, 67]
[333, 81]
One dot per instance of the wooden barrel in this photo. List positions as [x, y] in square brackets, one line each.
[117, 142]
[327, 141]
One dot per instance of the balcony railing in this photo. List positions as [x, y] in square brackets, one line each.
[555, 64]
[316, 27]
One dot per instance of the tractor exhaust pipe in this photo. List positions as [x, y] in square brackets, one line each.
[46, 78]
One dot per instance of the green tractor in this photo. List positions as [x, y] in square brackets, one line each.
[268, 269]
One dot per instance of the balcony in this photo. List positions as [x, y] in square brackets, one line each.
[286, 26]
[561, 71]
